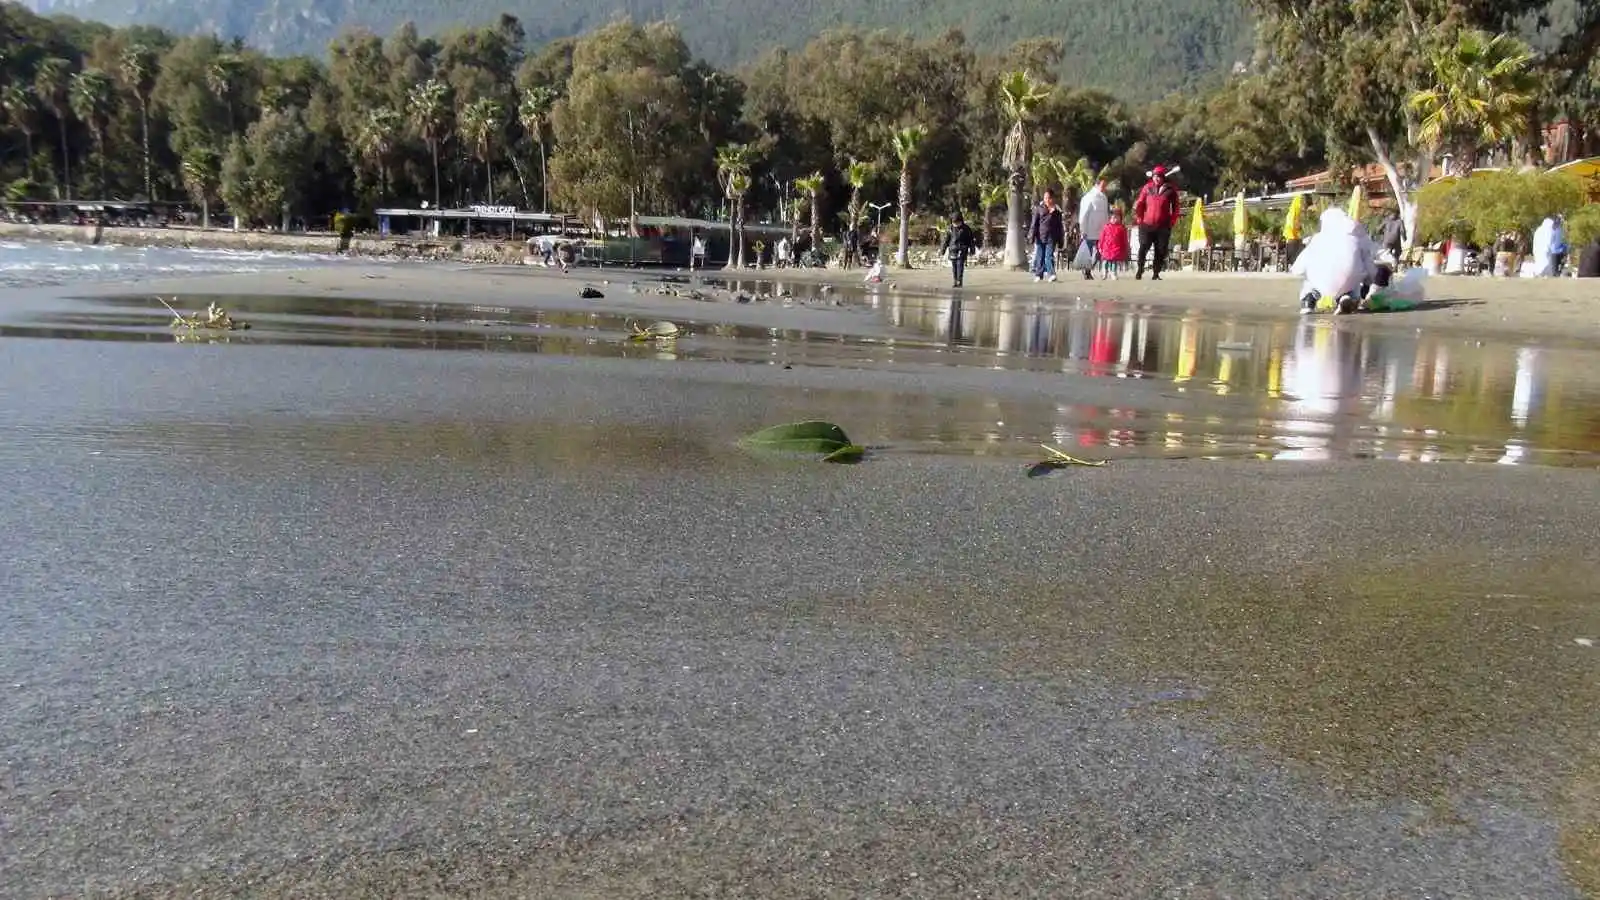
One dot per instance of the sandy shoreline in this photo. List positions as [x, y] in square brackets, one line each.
[1551, 312]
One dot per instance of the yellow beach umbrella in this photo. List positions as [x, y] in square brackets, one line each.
[1241, 222]
[1357, 202]
[1197, 228]
[1291, 221]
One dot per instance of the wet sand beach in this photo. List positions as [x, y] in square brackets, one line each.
[311, 611]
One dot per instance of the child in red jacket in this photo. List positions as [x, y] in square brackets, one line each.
[1114, 249]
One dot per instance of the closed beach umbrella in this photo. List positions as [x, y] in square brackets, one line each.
[1197, 228]
[1291, 222]
[1241, 223]
[1357, 201]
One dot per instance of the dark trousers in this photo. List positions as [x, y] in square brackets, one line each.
[958, 268]
[1159, 239]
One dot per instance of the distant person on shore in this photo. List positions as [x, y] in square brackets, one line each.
[1392, 235]
[1155, 212]
[1113, 248]
[958, 243]
[852, 248]
[780, 258]
[1094, 211]
[697, 252]
[1047, 231]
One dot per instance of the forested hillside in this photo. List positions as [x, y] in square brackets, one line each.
[1136, 49]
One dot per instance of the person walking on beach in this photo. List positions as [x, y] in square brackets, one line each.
[1094, 211]
[1155, 212]
[1047, 231]
[957, 244]
[852, 248]
[1392, 235]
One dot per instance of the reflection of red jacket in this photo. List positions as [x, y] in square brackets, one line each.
[1113, 244]
[1157, 206]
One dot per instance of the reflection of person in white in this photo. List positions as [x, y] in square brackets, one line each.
[697, 252]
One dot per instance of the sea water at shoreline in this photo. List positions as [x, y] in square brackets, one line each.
[52, 264]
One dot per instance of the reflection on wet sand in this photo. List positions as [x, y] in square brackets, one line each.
[1326, 391]
[1304, 390]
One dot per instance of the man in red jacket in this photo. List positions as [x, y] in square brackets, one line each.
[1155, 212]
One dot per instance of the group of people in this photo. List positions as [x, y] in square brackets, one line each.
[1104, 241]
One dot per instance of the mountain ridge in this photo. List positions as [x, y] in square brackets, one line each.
[1138, 50]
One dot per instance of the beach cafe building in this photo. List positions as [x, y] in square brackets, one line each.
[655, 240]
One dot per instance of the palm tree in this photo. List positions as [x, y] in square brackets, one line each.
[1046, 172]
[1483, 95]
[50, 86]
[375, 140]
[428, 104]
[990, 196]
[139, 77]
[811, 186]
[907, 141]
[1020, 96]
[201, 169]
[480, 124]
[733, 168]
[89, 96]
[16, 104]
[534, 113]
[856, 175]
[222, 79]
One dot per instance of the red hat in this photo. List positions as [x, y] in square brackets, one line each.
[1159, 170]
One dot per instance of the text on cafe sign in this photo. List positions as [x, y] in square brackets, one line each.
[494, 210]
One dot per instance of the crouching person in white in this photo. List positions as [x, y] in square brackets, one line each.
[1339, 262]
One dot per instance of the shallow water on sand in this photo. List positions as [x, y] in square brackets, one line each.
[1105, 378]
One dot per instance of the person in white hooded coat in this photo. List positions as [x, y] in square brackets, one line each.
[1338, 262]
[1549, 248]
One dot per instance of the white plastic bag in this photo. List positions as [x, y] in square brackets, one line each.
[1085, 257]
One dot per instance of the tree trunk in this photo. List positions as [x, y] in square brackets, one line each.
[544, 178]
[66, 162]
[527, 198]
[816, 223]
[738, 226]
[902, 257]
[144, 123]
[488, 168]
[1016, 255]
[1407, 204]
[433, 145]
[100, 151]
[988, 228]
[205, 212]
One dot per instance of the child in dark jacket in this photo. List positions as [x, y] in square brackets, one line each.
[1114, 248]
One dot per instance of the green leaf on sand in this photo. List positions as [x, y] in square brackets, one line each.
[806, 437]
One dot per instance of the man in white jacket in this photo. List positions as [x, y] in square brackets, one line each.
[1094, 211]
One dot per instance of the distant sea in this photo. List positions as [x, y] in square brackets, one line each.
[46, 264]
